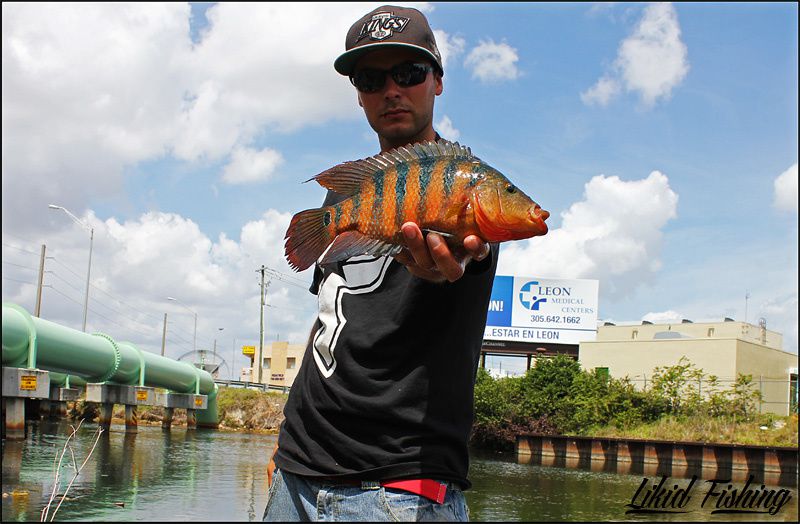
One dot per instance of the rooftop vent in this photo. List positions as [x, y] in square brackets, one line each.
[646, 323]
[686, 321]
[729, 319]
[662, 335]
[609, 324]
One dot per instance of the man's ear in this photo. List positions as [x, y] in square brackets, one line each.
[359, 99]
[439, 84]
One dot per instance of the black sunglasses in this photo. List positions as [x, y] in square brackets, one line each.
[407, 74]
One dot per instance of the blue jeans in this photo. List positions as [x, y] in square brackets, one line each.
[296, 498]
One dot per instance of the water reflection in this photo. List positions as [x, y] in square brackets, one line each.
[150, 475]
[200, 475]
[558, 490]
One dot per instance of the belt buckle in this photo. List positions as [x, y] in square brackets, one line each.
[370, 484]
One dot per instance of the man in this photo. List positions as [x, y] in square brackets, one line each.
[378, 419]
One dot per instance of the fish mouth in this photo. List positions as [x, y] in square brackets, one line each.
[538, 216]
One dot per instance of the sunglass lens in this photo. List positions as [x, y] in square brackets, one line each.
[405, 75]
[409, 74]
[369, 80]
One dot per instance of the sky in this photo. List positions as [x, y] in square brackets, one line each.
[662, 138]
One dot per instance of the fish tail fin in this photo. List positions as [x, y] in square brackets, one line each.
[309, 234]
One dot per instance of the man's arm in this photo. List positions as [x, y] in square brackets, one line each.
[271, 465]
[430, 258]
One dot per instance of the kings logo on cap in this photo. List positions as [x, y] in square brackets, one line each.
[381, 26]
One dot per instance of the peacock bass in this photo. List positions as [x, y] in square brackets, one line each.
[440, 186]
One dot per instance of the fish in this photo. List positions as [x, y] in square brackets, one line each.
[441, 186]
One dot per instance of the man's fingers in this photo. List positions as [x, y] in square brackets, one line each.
[477, 248]
[415, 243]
[431, 258]
[446, 263]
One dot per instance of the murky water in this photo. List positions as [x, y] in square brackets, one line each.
[181, 475]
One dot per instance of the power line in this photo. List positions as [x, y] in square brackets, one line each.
[290, 308]
[7, 234]
[63, 280]
[288, 279]
[124, 327]
[20, 281]
[19, 265]
[55, 259]
[21, 249]
[118, 300]
[65, 295]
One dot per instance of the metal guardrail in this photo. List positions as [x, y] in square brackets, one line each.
[251, 385]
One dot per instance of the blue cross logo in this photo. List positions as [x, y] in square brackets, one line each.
[527, 297]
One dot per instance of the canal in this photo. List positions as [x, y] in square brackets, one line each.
[181, 475]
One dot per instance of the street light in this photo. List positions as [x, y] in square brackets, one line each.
[88, 271]
[195, 319]
[215, 343]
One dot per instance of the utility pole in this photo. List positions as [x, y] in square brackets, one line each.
[261, 335]
[38, 309]
[746, 297]
[164, 336]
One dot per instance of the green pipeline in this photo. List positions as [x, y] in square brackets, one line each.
[31, 342]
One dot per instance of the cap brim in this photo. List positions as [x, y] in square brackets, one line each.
[346, 62]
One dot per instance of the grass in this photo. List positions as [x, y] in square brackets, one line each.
[262, 412]
[778, 431]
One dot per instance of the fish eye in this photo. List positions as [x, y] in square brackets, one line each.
[511, 189]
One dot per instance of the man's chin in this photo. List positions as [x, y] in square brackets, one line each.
[397, 133]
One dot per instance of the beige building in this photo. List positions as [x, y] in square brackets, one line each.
[724, 349]
[279, 365]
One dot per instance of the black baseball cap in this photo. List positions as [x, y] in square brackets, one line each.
[388, 26]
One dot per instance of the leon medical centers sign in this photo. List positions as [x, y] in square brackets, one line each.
[531, 309]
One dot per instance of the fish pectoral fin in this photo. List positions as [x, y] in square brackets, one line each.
[353, 243]
[455, 208]
[446, 235]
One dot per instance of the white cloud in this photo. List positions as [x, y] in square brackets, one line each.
[613, 235]
[450, 47]
[781, 315]
[602, 92]
[121, 84]
[651, 62]
[663, 317]
[786, 190]
[138, 263]
[248, 165]
[447, 130]
[492, 62]
[601, 8]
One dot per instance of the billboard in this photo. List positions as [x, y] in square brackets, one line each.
[536, 310]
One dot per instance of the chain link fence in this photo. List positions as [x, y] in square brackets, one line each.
[779, 396]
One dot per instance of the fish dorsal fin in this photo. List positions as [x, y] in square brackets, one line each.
[348, 177]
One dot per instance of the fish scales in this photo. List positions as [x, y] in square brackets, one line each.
[440, 186]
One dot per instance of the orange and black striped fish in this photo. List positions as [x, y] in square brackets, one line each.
[440, 186]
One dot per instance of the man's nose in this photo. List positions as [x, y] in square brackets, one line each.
[390, 88]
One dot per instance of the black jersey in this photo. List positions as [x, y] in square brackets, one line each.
[385, 390]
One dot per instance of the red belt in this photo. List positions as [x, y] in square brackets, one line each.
[427, 488]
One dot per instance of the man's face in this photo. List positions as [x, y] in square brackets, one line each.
[399, 115]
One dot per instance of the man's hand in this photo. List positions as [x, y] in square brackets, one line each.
[271, 466]
[430, 258]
